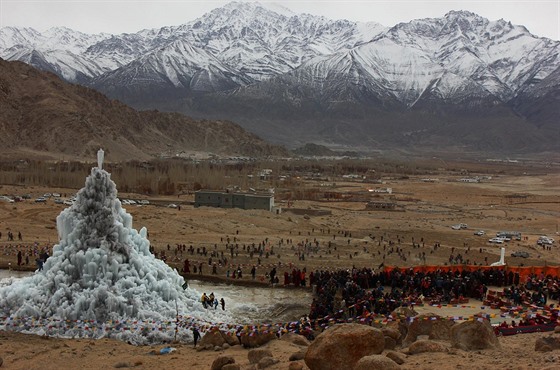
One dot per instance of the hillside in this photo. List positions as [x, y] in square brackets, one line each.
[42, 116]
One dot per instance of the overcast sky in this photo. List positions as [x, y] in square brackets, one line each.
[541, 17]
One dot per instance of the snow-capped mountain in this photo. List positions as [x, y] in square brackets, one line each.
[259, 64]
[446, 55]
[59, 50]
[178, 67]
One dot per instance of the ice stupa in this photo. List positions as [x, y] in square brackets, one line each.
[102, 276]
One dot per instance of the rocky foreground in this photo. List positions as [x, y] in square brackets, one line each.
[420, 343]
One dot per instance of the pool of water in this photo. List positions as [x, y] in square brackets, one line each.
[249, 304]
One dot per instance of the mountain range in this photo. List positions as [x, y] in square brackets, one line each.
[457, 83]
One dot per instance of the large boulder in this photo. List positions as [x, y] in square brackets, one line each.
[392, 337]
[294, 338]
[390, 343]
[267, 362]
[231, 367]
[398, 357]
[340, 347]
[420, 325]
[256, 354]
[296, 356]
[214, 338]
[257, 340]
[403, 313]
[295, 366]
[401, 326]
[474, 335]
[221, 361]
[392, 332]
[547, 344]
[441, 329]
[218, 338]
[376, 362]
[422, 346]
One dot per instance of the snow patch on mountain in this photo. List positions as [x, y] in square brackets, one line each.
[243, 43]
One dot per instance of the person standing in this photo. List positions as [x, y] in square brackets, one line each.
[223, 303]
[196, 335]
[19, 258]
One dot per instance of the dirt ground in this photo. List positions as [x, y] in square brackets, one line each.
[30, 352]
[426, 212]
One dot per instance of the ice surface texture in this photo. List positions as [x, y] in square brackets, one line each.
[102, 270]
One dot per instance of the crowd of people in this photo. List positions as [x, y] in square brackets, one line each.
[357, 292]
[209, 301]
[27, 253]
[343, 292]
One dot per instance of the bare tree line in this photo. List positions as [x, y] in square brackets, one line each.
[177, 176]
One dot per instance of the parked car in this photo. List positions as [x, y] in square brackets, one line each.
[6, 199]
[172, 205]
[40, 200]
[480, 233]
[496, 240]
[545, 240]
[144, 202]
[58, 201]
[520, 254]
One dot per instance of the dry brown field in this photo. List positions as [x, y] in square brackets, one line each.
[425, 211]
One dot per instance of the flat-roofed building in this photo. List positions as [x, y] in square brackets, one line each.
[209, 198]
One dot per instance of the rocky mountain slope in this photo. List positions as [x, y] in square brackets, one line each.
[45, 117]
[460, 82]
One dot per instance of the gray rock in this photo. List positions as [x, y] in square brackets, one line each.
[391, 332]
[297, 356]
[266, 362]
[255, 355]
[474, 335]
[422, 346]
[231, 367]
[424, 325]
[376, 362]
[213, 338]
[220, 361]
[399, 358]
[257, 340]
[390, 343]
[403, 312]
[295, 366]
[300, 340]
